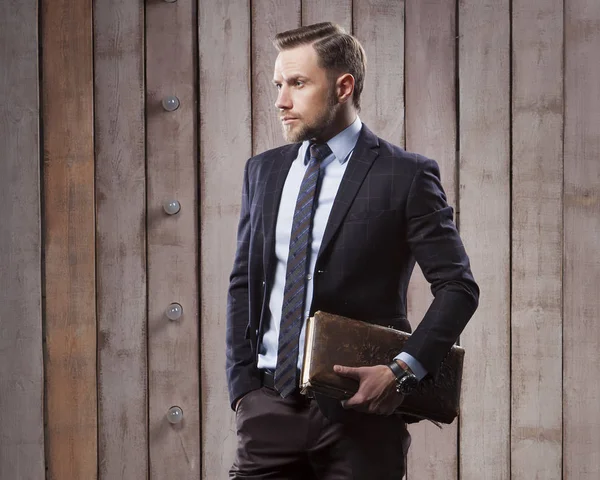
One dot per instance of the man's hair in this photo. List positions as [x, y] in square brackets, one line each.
[338, 52]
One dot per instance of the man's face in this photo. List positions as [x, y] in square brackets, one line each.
[306, 96]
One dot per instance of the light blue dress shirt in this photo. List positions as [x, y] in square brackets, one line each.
[332, 171]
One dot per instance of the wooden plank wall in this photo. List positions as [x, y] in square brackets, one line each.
[21, 353]
[69, 239]
[225, 145]
[484, 205]
[537, 227]
[581, 278]
[431, 127]
[379, 26]
[504, 94]
[267, 18]
[172, 262]
[337, 11]
[121, 239]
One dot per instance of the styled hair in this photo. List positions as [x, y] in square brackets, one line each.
[338, 51]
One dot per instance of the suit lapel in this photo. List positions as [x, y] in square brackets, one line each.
[365, 153]
[280, 166]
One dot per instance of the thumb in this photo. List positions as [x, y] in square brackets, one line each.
[350, 372]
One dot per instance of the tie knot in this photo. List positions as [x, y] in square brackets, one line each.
[319, 151]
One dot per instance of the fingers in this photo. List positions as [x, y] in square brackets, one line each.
[376, 393]
[358, 403]
[350, 372]
[377, 407]
[357, 400]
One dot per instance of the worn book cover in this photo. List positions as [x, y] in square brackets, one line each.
[336, 340]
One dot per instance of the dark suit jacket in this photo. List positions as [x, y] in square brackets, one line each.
[390, 210]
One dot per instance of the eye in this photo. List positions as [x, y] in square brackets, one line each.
[299, 83]
[277, 86]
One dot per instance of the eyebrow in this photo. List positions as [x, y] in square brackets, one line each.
[292, 79]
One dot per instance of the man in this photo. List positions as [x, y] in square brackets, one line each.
[334, 222]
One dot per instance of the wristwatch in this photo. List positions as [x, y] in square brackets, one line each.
[406, 381]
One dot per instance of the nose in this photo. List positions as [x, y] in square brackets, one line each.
[284, 101]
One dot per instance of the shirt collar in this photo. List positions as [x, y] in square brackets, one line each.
[344, 142]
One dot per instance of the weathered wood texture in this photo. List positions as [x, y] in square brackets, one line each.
[379, 26]
[430, 97]
[69, 239]
[121, 239]
[21, 359]
[484, 202]
[581, 288]
[530, 402]
[225, 145]
[537, 177]
[336, 11]
[173, 346]
[269, 17]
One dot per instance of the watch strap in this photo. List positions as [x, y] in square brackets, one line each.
[397, 370]
[406, 381]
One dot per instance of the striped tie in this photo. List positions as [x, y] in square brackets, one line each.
[295, 277]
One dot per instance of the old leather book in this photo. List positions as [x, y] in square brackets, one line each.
[336, 340]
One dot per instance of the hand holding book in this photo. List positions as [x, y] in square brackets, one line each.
[376, 391]
[335, 340]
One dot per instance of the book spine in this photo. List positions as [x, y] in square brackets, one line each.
[308, 348]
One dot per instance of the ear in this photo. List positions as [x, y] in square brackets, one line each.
[344, 87]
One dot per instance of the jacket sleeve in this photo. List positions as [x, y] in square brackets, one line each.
[436, 245]
[242, 376]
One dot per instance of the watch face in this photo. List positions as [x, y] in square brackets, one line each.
[408, 384]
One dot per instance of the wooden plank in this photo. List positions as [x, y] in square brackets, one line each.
[581, 389]
[484, 200]
[379, 26]
[269, 17]
[173, 370]
[121, 243]
[536, 320]
[21, 354]
[431, 130]
[225, 145]
[69, 240]
[336, 11]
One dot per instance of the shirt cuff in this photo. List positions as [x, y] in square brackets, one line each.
[413, 364]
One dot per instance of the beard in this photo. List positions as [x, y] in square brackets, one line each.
[308, 130]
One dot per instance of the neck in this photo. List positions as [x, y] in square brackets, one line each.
[343, 120]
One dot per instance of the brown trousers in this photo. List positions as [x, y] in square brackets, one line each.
[290, 439]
